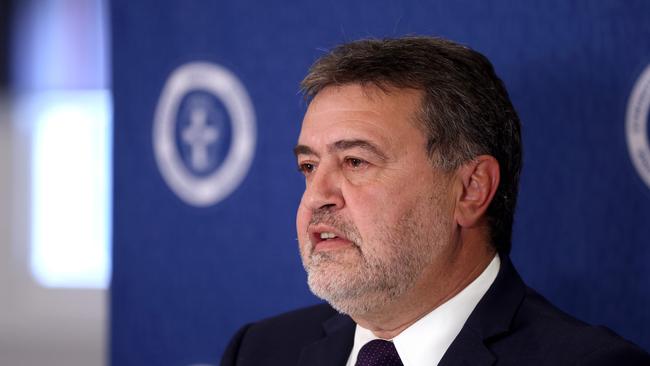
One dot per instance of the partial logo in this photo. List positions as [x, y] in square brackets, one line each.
[636, 125]
[204, 133]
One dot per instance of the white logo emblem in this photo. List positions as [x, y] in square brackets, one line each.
[636, 125]
[204, 133]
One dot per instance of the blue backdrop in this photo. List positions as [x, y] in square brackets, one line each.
[187, 275]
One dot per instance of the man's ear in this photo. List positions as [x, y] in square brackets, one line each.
[477, 181]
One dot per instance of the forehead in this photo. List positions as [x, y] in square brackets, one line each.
[362, 112]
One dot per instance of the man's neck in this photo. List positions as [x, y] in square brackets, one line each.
[430, 291]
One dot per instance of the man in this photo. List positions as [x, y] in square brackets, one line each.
[411, 154]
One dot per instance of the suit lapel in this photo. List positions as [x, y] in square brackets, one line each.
[334, 348]
[467, 349]
[491, 317]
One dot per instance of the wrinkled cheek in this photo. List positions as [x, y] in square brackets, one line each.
[303, 247]
[304, 243]
[305, 257]
[302, 222]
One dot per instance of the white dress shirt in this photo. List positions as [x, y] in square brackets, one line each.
[426, 341]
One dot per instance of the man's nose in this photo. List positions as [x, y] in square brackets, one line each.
[323, 190]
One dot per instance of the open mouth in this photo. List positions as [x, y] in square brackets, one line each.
[326, 238]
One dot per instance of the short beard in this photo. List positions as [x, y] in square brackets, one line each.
[367, 277]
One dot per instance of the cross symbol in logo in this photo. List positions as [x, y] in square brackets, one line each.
[199, 135]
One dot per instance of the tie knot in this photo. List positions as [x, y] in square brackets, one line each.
[378, 352]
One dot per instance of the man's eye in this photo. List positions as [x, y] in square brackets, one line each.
[306, 168]
[355, 163]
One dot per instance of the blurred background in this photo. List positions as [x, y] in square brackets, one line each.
[148, 188]
[55, 128]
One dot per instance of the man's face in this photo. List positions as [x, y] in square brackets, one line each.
[376, 216]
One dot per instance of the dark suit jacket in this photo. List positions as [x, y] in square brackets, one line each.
[511, 325]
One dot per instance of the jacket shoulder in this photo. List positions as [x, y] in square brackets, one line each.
[279, 339]
[546, 335]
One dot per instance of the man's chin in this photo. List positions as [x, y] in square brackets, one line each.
[354, 292]
[345, 292]
[349, 303]
[344, 255]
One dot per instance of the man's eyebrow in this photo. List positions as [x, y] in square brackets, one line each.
[343, 145]
[362, 144]
[303, 150]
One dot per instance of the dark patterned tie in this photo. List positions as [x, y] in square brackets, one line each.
[378, 352]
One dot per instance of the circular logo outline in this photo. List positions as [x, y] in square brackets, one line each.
[223, 84]
[636, 125]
